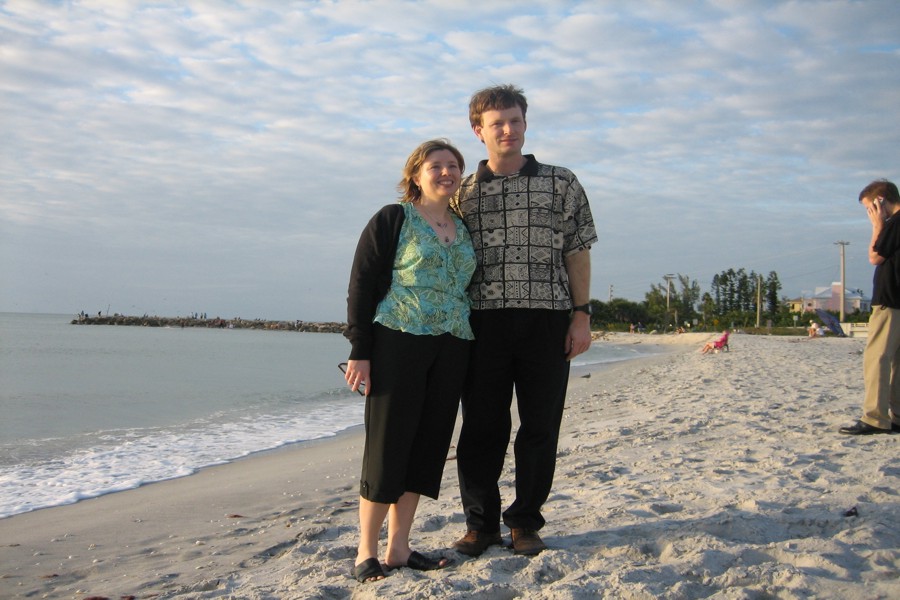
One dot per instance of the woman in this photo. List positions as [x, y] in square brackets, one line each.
[408, 325]
[717, 344]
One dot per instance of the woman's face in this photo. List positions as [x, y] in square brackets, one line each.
[439, 176]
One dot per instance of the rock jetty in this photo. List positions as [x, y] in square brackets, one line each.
[214, 323]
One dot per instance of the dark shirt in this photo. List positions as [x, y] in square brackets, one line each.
[886, 289]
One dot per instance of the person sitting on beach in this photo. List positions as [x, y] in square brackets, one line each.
[716, 344]
[408, 326]
[813, 329]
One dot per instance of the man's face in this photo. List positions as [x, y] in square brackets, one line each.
[502, 131]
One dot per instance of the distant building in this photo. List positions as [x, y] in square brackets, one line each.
[829, 298]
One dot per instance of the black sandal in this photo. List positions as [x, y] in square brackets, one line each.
[420, 562]
[368, 570]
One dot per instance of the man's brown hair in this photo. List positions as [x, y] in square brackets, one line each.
[497, 97]
[881, 188]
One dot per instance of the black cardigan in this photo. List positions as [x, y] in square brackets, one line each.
[370, 276]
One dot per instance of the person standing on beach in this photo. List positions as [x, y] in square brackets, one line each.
[408, 326]
[532, 229]
[881, 360]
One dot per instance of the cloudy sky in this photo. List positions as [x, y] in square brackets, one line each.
[222, 157]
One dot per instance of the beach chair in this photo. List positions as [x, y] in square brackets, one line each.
[722, 344]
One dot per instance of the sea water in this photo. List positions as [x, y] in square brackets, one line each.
[87, 410]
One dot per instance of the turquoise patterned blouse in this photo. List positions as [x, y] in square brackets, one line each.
[428, 291]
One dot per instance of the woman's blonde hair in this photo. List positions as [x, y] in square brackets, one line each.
[409, 191]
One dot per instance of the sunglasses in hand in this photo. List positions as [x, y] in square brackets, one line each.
[361, 390]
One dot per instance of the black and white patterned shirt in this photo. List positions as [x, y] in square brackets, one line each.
[523, 226]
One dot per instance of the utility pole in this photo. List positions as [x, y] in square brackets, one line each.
[843, 289]
[668, 279]
[758, 299]
[610, 292]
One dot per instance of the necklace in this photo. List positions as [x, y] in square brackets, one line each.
[442, 226]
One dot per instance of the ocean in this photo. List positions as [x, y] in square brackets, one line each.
[87, 410]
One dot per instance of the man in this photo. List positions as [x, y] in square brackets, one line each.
[532, 228]
[881, 361]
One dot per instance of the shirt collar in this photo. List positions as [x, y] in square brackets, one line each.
[484, 174]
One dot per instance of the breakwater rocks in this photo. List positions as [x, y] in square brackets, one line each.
[215, 323]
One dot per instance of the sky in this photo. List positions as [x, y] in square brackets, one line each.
[173, 158]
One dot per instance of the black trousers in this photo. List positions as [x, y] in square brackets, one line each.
[519, 349]
[410, 412]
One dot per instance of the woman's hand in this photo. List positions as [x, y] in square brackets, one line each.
[358, 374]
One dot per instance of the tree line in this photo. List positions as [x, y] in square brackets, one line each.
[736, 299]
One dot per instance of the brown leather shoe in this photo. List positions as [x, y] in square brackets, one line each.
[527, 542]
[475, 542]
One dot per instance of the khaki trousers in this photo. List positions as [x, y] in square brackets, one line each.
[881, 368]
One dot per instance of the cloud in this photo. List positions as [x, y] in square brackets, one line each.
[223, 157]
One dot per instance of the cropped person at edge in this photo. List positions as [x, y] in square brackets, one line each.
[532, 229]
[408, 325]
[881, 360]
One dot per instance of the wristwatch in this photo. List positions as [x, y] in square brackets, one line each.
[585, 308]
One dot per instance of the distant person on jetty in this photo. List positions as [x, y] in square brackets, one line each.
[881, 360]
[717, 344]
[408, 325]
[532, 228]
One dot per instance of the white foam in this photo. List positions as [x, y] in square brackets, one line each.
[124, 460]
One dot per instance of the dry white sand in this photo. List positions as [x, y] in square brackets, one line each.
[683, 476]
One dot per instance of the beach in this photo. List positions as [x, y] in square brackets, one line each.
[679, 476]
